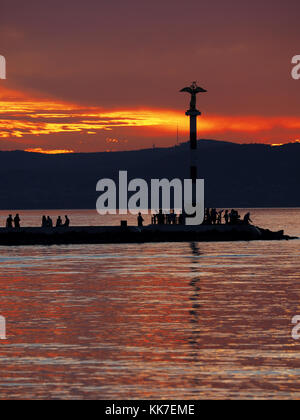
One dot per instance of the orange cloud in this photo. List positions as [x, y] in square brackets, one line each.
[23, 116]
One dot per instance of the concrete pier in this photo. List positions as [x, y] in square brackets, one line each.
[147, 234]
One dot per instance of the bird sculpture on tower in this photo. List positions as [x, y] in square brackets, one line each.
[193, 90]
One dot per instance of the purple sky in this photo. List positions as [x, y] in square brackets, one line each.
[128, 54]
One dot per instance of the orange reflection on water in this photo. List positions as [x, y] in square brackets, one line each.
[206, 320]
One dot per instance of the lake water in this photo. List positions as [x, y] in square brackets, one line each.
[151, 321]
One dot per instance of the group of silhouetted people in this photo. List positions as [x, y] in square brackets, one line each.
[171, 218]
[216, 217]
[212, 217]
[13, 222]
[47, 222]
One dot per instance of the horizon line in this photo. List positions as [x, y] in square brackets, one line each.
[52, 152]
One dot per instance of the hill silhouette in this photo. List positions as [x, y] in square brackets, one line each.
[236, 175]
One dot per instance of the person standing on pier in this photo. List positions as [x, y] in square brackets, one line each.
[140, 220]
[59, 222]
[17, 221]
[213, 215]
[9, 222]
[161, 218]
[182, 218]
[232, 217]
[67, 221]
[247, 219]
[219, 218]
[226, 217]
[49, 222]
[207, 218]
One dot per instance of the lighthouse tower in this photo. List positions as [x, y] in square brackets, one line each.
[193, 113]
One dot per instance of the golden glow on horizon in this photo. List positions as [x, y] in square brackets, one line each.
[22, 116]
[282, 144]
[49, 152]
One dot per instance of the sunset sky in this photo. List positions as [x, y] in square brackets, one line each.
[105, 75]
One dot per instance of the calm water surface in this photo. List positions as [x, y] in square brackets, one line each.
[206, 320]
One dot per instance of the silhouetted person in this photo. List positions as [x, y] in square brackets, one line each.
[173, 217]
[226, 217]
[168, 217]
[247, 219]
[154, 219]
[207, 218]
[140, 220]
[232, 217]
[182, 218]
[59, 222]
[17, 221]
[161, 218]
[9, 222]
[67, 221]
[44, 222]
[219, 217]
[213, 216]
[49, 222]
